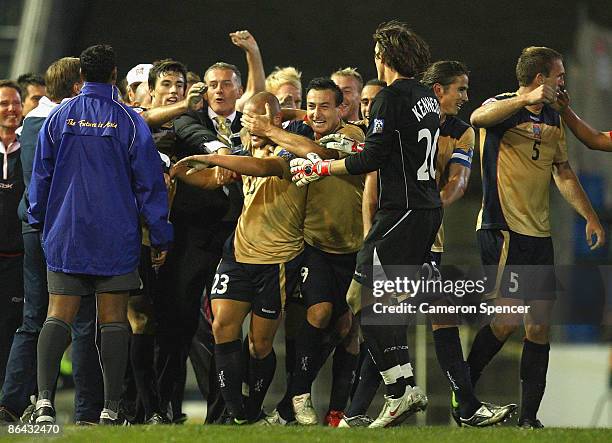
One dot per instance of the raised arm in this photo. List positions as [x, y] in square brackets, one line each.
[256, 78]
[592, 138]
[156, 117]
[494, 111]
[296, 144]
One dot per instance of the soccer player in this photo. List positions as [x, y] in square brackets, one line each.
[449, 82]
[522, 142]
[89, 207]
[401, 144]
[350, 82]
[260, 265]
[330, 251]
[369, 91]
[32, 90]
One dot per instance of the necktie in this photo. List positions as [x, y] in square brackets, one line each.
[223, 130]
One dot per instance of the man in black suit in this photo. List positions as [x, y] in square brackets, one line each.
[203, 220]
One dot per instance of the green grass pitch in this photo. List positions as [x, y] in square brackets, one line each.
[252, 434]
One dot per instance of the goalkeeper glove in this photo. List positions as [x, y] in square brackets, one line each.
[309, 169]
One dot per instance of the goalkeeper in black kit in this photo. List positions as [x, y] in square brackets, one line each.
[401, 145]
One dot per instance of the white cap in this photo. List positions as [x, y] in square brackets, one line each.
[139, 73]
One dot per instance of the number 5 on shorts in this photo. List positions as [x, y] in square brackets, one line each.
[220, 284]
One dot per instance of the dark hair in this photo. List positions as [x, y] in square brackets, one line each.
[25, 80]
[97, 63]
[376, 82]
[401, 49]
[533, 61]
[228, 66]
[444, 72]
[161, 67]
[61, 77]
[324, 83]
[123, 89]
[10, 84]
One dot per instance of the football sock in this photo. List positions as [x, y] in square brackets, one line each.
[450, 358]
[229, 372]
[284, 407]
[141, 357]
[261, 373]
[403, 355]
[307, 361]
[114, 342]
[367, 385]
[381, 341]
[534, 365]
[52, 342]
[246, 359]
[343, 376]
[484, 348]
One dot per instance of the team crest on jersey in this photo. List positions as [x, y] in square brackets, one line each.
[379, 124]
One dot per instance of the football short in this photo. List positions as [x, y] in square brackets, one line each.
[264, 286]
[147, 274]
[517, 266]
[84, 284]
[326, 278]
[397, 241]
[395, 249]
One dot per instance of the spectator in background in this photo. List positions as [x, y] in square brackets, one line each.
[192, 79]
[32, 90]
[285, 83]
[135, 76]
[11, 244]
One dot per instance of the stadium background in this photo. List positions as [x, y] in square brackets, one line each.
[320, 36]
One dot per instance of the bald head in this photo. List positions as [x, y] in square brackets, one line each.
[257, 104]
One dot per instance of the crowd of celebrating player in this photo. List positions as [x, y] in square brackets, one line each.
[188, 205]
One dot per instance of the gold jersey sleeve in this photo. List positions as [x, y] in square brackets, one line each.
[333, 211]
[455, 145]
[270, 227]
[517, 158]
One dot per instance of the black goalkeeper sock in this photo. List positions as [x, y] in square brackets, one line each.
[261, 373]
[382, 346]
[228, 359]
[343, 376]
[450, 358]
[403, 354]
[114, 342]
[307, 363]
[52, 342]
[367, 385]
[484, 348]
[534, 365]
